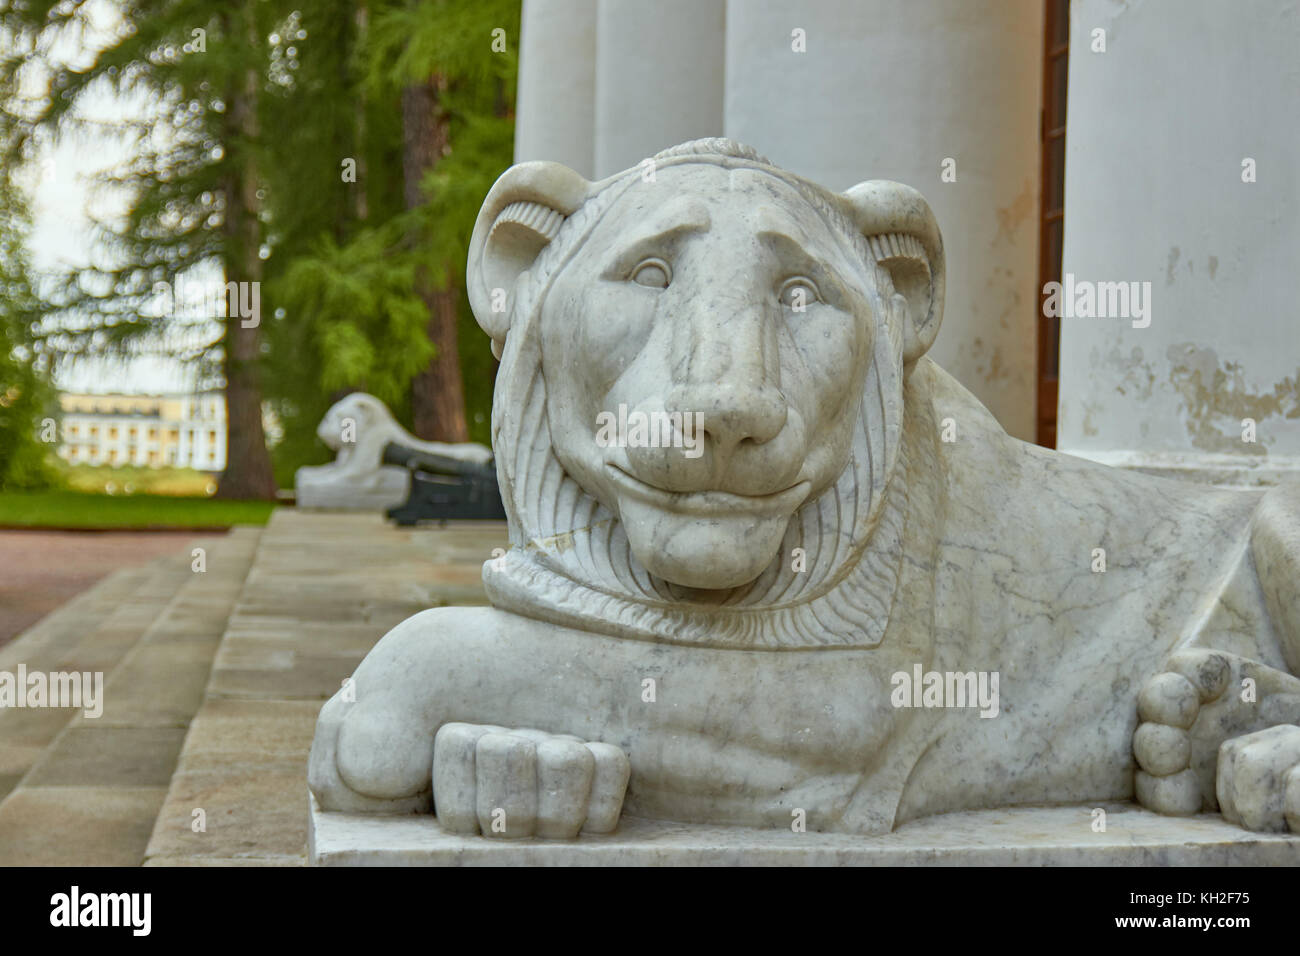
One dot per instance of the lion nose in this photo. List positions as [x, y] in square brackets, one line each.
[730, 414]
[729, 372]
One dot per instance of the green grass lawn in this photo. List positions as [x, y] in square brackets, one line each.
[75, 509]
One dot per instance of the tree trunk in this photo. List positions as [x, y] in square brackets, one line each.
[437, 393]
[248, 464]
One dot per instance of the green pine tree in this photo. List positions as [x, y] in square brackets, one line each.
[27, 409]
[377, 303]
[194, 180]
[292, 148]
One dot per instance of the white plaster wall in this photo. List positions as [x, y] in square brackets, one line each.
[659, 76]
[1158, 126]
[603, 85]
[555, 108]
[888, 90]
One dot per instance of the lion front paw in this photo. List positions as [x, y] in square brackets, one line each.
[514, 784]
[1162, 745]
[369, 759]
[1258, 783]
[1205, 701]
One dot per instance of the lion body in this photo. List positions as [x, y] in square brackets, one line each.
[358, 427]
[934, 542]
[744, 737]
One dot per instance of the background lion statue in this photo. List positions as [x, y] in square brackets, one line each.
[358, 426]
[725, 638]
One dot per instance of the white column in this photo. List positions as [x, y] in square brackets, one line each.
[659, 77]
[557, 75]
[1159, 127]
[890, 90]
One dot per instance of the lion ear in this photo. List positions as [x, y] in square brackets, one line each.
[904, 238]
[523, 212]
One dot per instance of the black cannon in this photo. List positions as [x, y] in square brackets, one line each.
[444, 488]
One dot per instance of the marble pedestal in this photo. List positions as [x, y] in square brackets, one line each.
[384, 488]
[1030, 836]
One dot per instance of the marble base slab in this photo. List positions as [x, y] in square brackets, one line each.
[1030, 836]
[386, 488]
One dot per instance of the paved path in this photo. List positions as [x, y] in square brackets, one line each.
[212, 685]
[42, 570]
[86, 791]
[323, 588]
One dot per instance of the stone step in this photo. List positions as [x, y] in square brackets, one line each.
[69, 620]
[92, 795]
[323, 589]
[90, 632]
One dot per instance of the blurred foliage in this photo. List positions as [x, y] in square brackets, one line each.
[352, 317]
[27, 400]
[339, 309]
[182, 58]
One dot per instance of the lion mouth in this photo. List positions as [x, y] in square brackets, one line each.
[711, 503]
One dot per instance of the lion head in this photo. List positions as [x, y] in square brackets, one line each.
[771, 323]
[354, 413]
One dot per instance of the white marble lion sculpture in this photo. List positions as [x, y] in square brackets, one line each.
[358, 427]
[722, 638]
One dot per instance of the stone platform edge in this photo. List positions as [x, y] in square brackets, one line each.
[1024, 836]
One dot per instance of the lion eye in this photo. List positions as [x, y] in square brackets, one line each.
[653, 274]
[798, 293]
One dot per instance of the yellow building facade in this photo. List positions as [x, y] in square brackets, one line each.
[150, 431]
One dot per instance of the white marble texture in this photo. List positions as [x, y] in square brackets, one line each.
[519, 783]
[358, 426]
[1031, 836]
[737, 622]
